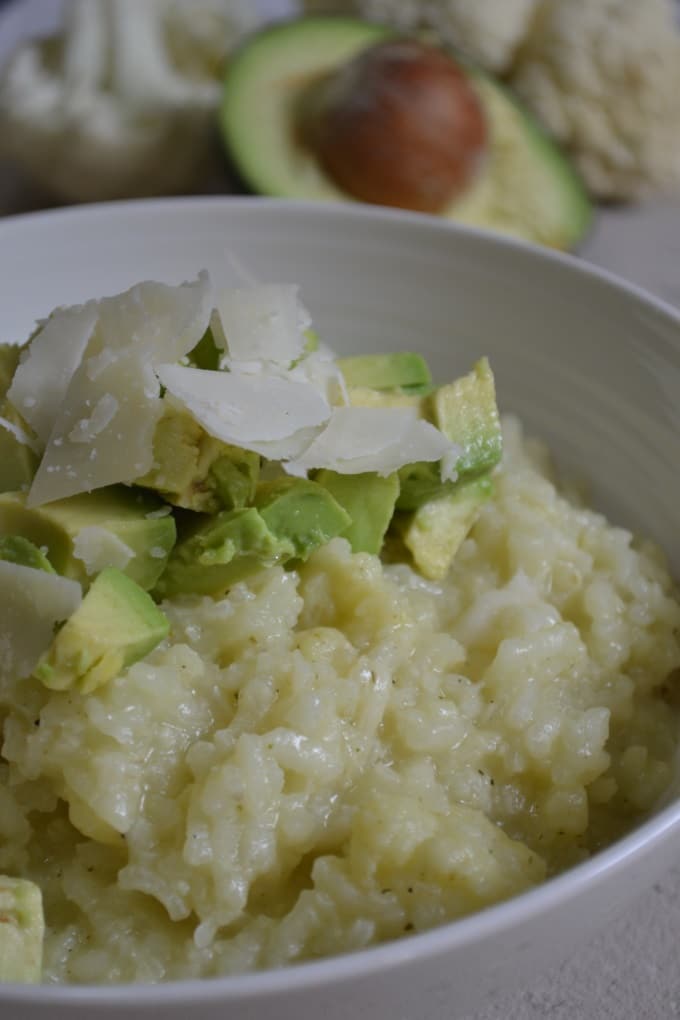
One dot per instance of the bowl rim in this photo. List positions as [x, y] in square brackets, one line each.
[493, 920]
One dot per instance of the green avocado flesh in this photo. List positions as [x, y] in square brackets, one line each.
[116, 624]
[402, 370]
[116, 515]
[526, 187]
[290, 518]
[465, 410]
[434, 533]
[196, 471]
[369, 500]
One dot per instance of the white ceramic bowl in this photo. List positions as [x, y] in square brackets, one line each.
[590, 364]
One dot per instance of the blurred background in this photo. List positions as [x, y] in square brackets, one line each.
[122, 98]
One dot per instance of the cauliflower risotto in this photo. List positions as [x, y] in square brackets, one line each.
[335, 756]
[208, 773]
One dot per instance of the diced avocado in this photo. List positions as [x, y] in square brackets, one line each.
[128, 515]
[220, 551]
[196, 471]
[369, 500]
[387, 371]
[116, 624]
[466, 412]
[302, 512]
[15, 549]
[22, 928]
[526, 187]
[434, 533]
[290, 519]
[234, 476]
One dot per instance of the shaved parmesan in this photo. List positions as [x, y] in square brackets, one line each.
[32, 603]
[161, 321]
[262, 323]
[120, 451]
[43, 376]
[99, 548]
[359, 439]
[247, 410]
[102, 431]
[321, 370]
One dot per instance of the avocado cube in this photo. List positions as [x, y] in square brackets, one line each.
[118, 512]
[290, 519]
[303, 513]
[369, 500]
[220, 551]
[466, 412]
[435, 532]
[22, 929]
[387, 371]
[196, 471]
[116, 624]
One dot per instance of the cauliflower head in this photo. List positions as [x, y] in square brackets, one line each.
[604, 78]
[121, 101]
[488, 31]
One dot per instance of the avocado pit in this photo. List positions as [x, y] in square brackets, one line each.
[398, 125]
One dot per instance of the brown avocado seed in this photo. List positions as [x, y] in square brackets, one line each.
[399, 125]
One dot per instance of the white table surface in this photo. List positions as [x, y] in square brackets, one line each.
[632, 972]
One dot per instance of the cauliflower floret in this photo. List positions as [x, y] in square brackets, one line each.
[488, 31]
[121, 102]
[604, 77]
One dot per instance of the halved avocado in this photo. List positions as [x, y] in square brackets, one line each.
[526, 187]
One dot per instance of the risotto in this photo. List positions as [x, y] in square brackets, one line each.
[333, 756]
[298, 654]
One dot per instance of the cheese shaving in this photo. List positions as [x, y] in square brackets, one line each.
[248, 410]
[262, 323]
[359, 439]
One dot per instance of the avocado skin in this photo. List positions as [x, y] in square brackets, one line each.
[369, 499]
[115, 625]
[291, 517]
[531, 192]
[121, 510]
